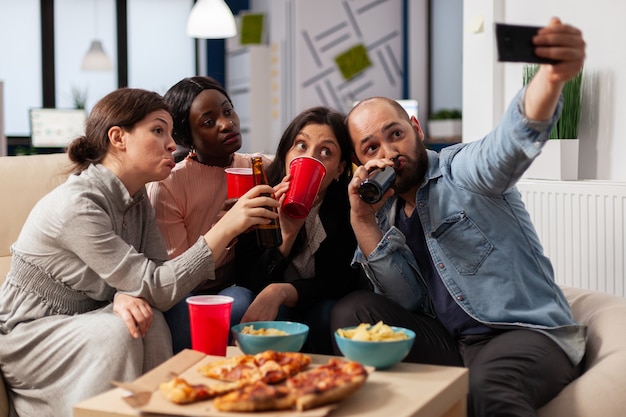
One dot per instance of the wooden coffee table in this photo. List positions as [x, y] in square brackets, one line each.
[405, 390]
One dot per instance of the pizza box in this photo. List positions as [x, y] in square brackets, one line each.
[405, 390]
[143, 395]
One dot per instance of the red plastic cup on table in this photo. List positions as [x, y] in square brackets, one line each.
[306, 179]
[209, 321]
[239, 181]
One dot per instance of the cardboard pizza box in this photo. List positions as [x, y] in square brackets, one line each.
[143, 396]
[401, 391]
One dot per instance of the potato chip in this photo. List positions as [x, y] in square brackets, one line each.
[263, 331]
[379, 332]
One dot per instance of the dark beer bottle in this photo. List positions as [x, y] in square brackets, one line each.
[267, 235]
[376, 185]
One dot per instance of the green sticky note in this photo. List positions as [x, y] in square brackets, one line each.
[353, 61]
[252, 29]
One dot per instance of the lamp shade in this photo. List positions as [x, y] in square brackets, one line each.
[96, 59]
[211, 19]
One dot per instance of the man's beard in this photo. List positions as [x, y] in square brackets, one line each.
[413, 171]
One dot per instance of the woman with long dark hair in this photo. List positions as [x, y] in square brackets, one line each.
[301, 279]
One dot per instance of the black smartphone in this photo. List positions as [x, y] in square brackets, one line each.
[515, 44]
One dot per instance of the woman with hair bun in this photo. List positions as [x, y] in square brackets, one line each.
[81, 305]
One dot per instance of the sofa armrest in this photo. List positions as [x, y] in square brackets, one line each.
[601, 390]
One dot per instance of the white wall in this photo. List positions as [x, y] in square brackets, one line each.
[488, 85]
[305, 37]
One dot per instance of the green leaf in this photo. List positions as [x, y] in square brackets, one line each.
[446, 114]
[567, 125]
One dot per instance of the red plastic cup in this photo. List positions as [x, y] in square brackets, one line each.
[209, 321]
[306, 179]
[239, 181]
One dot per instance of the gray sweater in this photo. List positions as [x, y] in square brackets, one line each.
[88, 239]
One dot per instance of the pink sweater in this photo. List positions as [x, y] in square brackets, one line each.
[187, 202]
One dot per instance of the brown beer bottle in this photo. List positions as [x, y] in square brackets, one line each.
[267, 235]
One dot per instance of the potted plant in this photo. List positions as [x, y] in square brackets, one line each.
[559, 156]
[444, 126]
[79, 97]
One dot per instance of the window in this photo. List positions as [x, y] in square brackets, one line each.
[159, 52]
[92, 19]
[20, 63]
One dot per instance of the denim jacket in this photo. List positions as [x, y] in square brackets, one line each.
[480, 237]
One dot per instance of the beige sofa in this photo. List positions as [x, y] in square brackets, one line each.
[601, 391]
[23, 181]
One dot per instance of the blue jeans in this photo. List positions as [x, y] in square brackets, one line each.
[317, 317]
[177, 317]
[511, 372]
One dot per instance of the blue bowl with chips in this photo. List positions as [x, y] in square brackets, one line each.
[280, 336]
[380, 354]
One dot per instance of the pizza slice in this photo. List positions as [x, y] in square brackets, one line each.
[259, 390]
[290, 362]
[179, 391]
[269, 366]
[256, 397]
[317, 387]
[327, 384]
[232, 369]
[271, 373]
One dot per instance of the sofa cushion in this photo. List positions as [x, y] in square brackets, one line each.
[25, 179]
[601, 390]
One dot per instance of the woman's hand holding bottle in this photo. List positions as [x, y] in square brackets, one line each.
[250, 210]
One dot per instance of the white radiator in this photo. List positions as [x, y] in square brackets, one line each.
[582, 226]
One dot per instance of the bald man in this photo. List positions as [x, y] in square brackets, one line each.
[451, 252]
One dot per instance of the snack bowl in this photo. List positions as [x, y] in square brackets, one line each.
[380, 354]
[251, 344]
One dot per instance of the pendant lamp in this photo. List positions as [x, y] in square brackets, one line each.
[96, 59]
[211, 19]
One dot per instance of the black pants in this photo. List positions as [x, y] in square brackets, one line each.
[511, 373]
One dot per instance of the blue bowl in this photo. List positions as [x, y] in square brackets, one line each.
[381, 355]
[252, 344]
